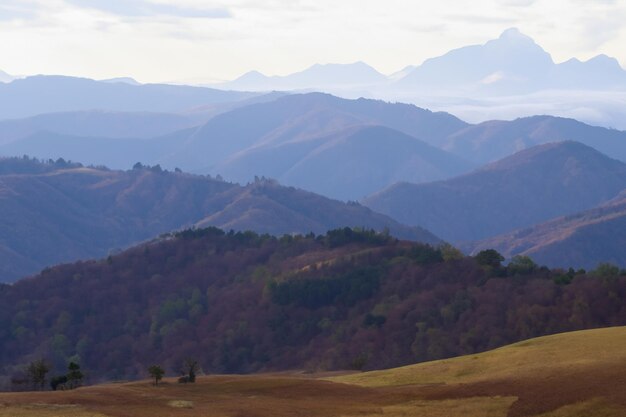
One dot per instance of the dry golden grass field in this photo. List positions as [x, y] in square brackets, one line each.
[579, 374]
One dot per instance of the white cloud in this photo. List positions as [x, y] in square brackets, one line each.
[156, 40]
[141, 8]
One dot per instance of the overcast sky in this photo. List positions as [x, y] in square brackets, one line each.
[201, 40]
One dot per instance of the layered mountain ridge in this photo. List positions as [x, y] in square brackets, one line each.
[60, 212]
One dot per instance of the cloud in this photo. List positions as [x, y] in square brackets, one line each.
[145, 8]
[11, 11]
[517, 3]
[495, 20]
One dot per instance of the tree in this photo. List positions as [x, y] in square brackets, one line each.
[190, 368]
[37, 372]
[74, 375]
[449, 252]
[521, 265]
[489, 257]
[157, 373]
[606, 270]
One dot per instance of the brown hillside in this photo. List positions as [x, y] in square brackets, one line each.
[580, 240]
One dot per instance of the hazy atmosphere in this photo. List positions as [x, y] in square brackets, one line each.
[349, 208]
[206, 41]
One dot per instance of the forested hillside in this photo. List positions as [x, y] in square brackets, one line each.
[57, 211]
[242, 302]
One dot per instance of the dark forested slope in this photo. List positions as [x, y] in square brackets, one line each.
[240, 302]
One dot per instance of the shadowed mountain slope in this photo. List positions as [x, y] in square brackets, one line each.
[299, 117]
[60, 212]
[348, 164]
[529, 187]
[581, 240]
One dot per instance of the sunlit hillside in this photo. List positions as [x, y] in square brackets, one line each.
[566, 375]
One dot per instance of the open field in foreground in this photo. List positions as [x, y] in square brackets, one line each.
[579, 374]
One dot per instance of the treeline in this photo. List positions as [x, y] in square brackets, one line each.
[243, 302]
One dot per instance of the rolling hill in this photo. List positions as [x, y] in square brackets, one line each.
[59, 212]
[348, 164]
[529, 187]
[243, 302]
[589, 384]
[581, 240]
[299, 117]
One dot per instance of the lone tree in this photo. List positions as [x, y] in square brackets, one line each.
[74, 375]
[157, 373]
[37, 372]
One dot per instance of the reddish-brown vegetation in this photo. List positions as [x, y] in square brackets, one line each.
[241, 302]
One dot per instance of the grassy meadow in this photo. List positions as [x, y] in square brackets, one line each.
[577, 374]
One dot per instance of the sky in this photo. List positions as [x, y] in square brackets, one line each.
[199, 41]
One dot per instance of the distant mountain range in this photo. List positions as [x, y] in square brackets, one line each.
[302, 140]
[529, 187]
[317, 77]
[505, 78]
[48, 94]
[286, 138]
[493, 140]
[510, 64]
[581, 240]
[52, 213]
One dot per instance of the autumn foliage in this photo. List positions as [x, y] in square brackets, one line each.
[243, 302]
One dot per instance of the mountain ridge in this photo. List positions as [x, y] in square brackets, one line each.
[526, 188]
[581, 240]
[60, 212]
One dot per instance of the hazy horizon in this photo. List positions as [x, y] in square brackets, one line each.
[196, 41]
